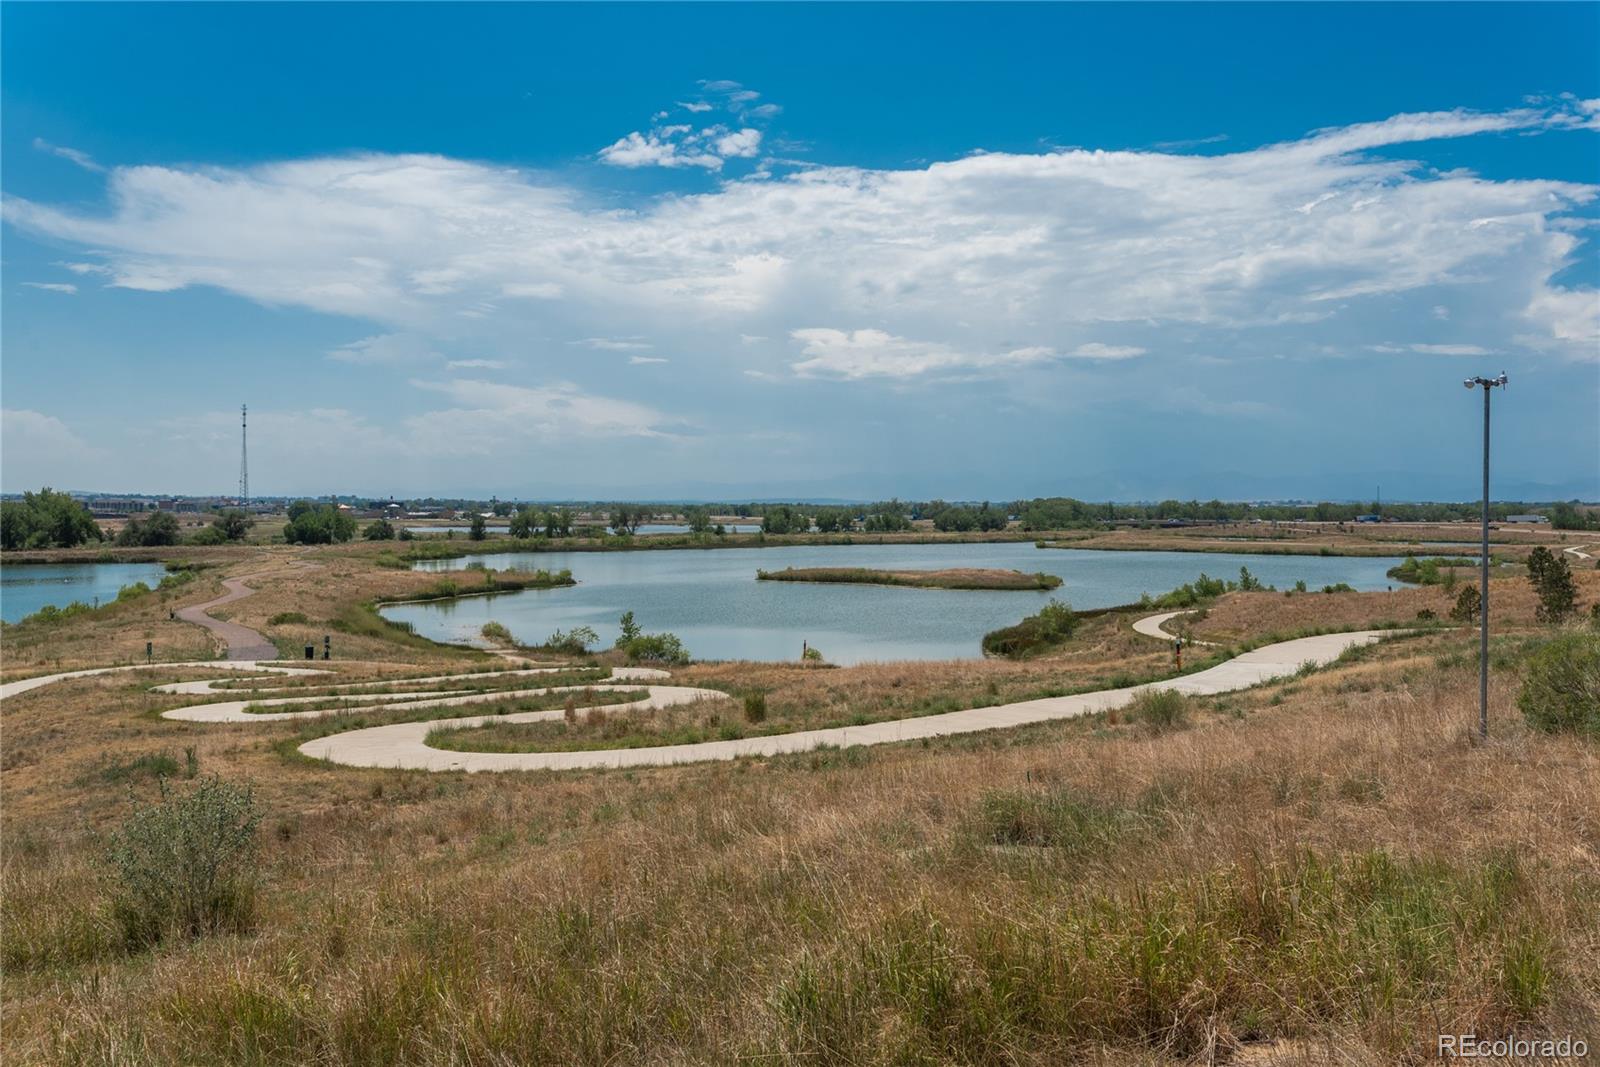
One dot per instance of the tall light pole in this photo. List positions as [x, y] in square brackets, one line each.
[1487, 385]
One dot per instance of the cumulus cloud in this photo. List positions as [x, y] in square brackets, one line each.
[956, 264]
[743, 143]
[666, 147]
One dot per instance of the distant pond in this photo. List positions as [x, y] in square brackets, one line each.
[711, 599]
[27, 587]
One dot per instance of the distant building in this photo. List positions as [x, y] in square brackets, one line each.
[1369, 518]
[1527, 518]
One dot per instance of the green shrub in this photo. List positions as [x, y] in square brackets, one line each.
[1160, 709]
[1054, 625]
[755, 707]
[132, 592]
[656, 648]
[286, 618]
[495, 631]
[1561, 687]
[574, 642]
[1468, 604]
[186, 866]
[1339, 587]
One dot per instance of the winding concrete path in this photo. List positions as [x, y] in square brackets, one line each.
[11, 689]
[1577, 551]
[1153, 626]
[242, 642]
[402, 745]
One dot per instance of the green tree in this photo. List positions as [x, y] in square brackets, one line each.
[625, 518]
[1552, 580]
[379, 530]
[1468, 604]
[558, 523]
[46, 519]
[526, 522]
[698, 518]
[160, 529]
[480, 528]
[234, 524]
[318, 524]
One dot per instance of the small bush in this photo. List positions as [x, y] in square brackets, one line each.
[1160, 709]
[187, 866]
[656, 648]
[1055, 624]
[574, 642]
[495, 631]
[1561, 688]
[755, 707]
[287, 618]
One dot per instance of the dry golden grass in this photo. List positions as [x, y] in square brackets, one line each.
[1327, 869]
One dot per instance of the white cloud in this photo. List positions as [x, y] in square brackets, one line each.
[71, 155]
[389, 349]
[641, 360]
[743, 144]
[476, 364]
[39, 449]
[613, 344]
[1433, 349]
[486, 415]
[657, 148]
[855, 354]
[1096, 350]
[695, 106]
[1451, 350]
[53, 287]
[1050, 248]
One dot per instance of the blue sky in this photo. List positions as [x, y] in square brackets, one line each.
[761, 251]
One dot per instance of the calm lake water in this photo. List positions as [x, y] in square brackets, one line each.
[646, 530]
[27, 587]
[711, 598]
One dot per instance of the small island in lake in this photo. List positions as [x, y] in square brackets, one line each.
[951, 578]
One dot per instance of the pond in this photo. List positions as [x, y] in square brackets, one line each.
[27, 587]
[711, 599]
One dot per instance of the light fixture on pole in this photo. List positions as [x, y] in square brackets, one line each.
[1488, 385]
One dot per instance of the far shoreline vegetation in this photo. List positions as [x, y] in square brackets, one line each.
[948, 578]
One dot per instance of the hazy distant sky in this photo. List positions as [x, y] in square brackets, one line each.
[774, 250]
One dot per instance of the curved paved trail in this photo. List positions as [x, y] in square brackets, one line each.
[1577, 551]
[402, 745]
[243, 643]
[1151, 626]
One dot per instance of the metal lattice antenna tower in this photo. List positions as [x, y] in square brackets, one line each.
[244, 455]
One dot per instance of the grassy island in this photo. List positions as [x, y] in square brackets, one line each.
[952, 578]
